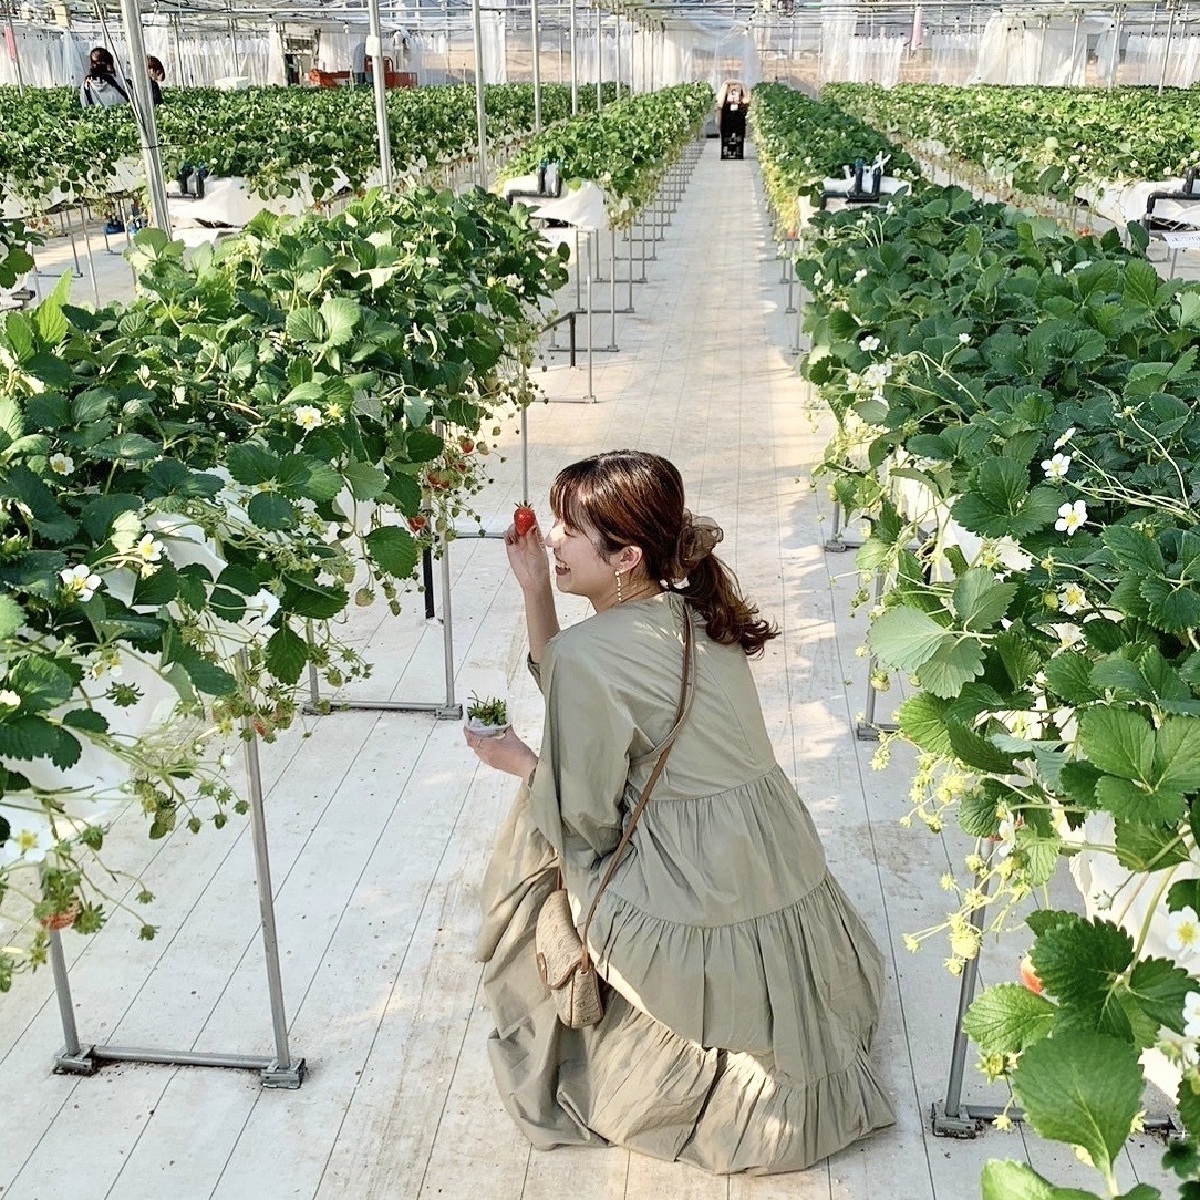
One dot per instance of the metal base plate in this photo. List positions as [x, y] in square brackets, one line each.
[962, 1126]
[866, 731]
[288, 1078]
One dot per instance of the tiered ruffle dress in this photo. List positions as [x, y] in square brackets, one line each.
[744, 988]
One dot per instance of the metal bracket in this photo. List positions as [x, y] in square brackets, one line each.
[285, 1078]
[962, 1127]
[79, 1063]
[869, 731]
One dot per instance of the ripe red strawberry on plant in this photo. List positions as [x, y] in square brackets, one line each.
[524, 518]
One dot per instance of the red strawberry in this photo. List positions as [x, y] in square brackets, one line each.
[418, 522]
[524, 519]
[1029, 977]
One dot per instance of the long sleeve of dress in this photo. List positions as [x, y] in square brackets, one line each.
[585, 755]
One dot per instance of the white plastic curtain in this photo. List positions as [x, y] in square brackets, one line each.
[1051, 52]
[1144, 60]
[58, 57]
[495, 47]
[953, 56]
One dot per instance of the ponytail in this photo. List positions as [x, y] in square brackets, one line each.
[729, 618]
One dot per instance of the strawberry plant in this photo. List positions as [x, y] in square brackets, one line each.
[280, 139]
[203, 473]
[1017, 412]
[625, 148]
[801, 142]
[1039, 140]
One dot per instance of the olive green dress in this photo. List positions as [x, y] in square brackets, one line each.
[743, 987]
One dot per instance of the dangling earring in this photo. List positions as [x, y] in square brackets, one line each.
[620, 594]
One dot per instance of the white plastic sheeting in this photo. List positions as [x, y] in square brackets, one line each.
[1145, 56]
[953, 56]
[495, 47]
[1047, 51]
[58, 57]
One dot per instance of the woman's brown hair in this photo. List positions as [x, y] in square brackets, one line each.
[632, 498]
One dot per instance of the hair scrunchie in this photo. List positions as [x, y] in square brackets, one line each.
[697, 539]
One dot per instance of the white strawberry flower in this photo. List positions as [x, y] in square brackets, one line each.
[1183, 936]
[1066, 437]
[9, 698]
[877, 374]
[1007, 834]
[308, 417]
[868, 344]
[1071, 517]
[964, 339]
[149, 549]
[1057, 467]
[79, 582]
[1191, 1015]
[1072, 598]
[853, 381]
[62, 464]
[861, 274]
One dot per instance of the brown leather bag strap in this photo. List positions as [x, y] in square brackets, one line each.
[686, 693]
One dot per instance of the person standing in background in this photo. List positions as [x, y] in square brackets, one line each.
[100, 87]
[158, 76]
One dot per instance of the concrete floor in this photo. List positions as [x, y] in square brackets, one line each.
[381, 825]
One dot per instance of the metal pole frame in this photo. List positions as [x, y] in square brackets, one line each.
[281, 1071]
[138, 88]
[599, 59]
[1173, 9]
[480, 102]
[12, 33]
[379, 84]
[536, 53]
[574, 62]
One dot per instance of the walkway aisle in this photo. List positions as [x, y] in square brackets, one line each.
[381, 826]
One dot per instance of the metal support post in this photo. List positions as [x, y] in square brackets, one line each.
[480, 103]
[144, 114]
[868, 729]
[574, 63]
[536, 41]
[591, 395]
[379, 85]
[1115, 60]
[578, 274]
[629, 243]
[1162, 75]
[790, 271]
[947, 1118]
[282, 1071]
[599, 61]
[612, 288]
[87, 245]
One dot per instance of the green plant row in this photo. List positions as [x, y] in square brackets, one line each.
[1039, 394]
[801, 142]
[625, 147]
[15, 242]
[265, 437]
[271, 136]
[1041, 140]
